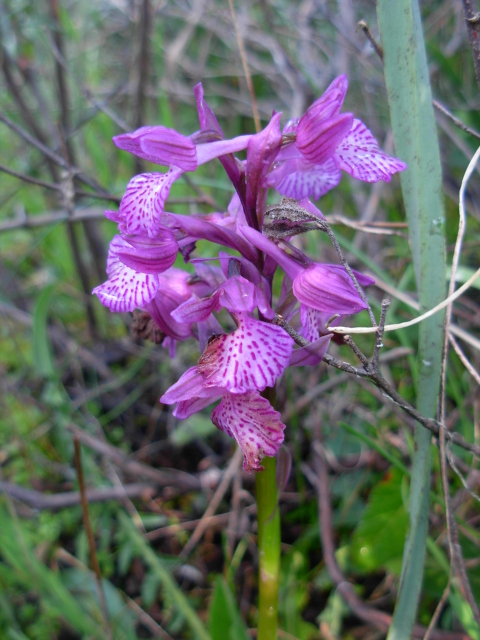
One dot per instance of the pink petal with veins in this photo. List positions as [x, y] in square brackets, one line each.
[125, 289]
[250, 358]
[254, 424]
[327, 288]
[330, 103]
[300, 179]
[160, 145]
[318, 139]
[361, 157]
[186, 408]
[190, 385]
[144, 201]
[150, 255]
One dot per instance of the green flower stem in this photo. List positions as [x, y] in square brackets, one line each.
[268, 518]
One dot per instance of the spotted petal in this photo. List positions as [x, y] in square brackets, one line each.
[360, 156]
[125, 289]
[254, 424]
[310, 322]
[250, 358]
[144, 201]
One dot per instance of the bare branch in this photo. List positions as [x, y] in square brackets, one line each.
[378, 380]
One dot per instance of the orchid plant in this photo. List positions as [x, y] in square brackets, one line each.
[302, 161]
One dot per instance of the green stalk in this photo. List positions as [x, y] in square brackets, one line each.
[268, 518]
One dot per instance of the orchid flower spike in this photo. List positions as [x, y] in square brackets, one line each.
[225, 301]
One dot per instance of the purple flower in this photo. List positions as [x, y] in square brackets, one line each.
[234, 368]
[325, 142]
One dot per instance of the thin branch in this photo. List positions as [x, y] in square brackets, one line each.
[437, 612]
[380, 229]
[214, 502]
[173, 478]
[378, 380]
[379, 336]
[21, 176]
[56, 501]
[47, 152]
[465, 361]
[456, 557]
[91, 540]
[403, 325]
[456, 121]
[370, 37]
[246, 69]
[64, 343]
[219, 520]
[411, 302]
[145, 27]
[121, 124]
[472, 20]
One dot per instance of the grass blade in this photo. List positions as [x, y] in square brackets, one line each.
[413, 123]
[176, 595]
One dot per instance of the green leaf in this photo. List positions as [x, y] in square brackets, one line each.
[462, 274]
[413, 124]
[170, 587]
[224, 621]
[464, 613]
[31, 573]
[42, 352]
[197, 426]
[380, 535]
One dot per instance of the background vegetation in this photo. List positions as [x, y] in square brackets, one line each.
[173, 516]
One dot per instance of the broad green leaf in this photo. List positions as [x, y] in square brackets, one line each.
[224, 621]
[413, 124]
[380, 535]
